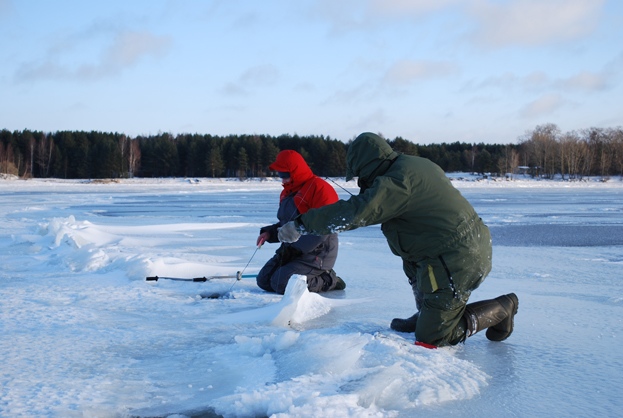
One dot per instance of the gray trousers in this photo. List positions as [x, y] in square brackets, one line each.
[274, 276]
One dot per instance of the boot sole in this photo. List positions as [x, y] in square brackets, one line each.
[515, 301]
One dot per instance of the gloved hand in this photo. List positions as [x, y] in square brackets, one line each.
[290, 232]
[262, 238]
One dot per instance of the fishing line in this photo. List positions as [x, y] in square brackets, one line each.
[245, 267]
[339, 185]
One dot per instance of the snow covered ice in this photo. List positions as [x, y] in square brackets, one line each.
[83, 333]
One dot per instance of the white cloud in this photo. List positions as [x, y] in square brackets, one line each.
[408, 71]
[234, 89]
[260, 75]
[407, 7]
[537, 80]
[346, 15]
[348, 95]
[534, 22]
[509, 80]
[586, 81]
[543, 106]
[341, 15]
[252, 78]
[6, 7]
[126, 49]
[370, 121]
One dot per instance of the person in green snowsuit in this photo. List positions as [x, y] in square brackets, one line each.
[444, 245]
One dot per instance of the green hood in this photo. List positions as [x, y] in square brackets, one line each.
[366, 153]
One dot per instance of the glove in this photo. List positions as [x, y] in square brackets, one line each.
[290, 232]
[262, 238]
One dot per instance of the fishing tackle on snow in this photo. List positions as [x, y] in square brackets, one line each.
[238, 276]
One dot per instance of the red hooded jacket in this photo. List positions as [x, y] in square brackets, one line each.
[311, 191]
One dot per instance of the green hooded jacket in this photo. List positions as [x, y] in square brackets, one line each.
[421, 214]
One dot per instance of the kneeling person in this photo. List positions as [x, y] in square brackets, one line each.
[312, 256]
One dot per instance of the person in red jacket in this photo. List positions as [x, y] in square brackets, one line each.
[312, 256]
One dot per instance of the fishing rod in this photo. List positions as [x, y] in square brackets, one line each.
[238, 276]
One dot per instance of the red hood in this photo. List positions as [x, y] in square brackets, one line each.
[293, 163]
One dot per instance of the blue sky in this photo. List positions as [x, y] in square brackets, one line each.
[429, 71]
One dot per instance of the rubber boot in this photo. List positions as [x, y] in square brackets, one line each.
[495, 315]
[326, 281]
[405, 325]
[340, 284]
[332, 281]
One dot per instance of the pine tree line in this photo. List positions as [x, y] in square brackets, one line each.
[544, 152]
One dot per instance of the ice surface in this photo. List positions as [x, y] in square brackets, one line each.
[83, 333]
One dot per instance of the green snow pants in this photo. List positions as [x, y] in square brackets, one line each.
[442, 286]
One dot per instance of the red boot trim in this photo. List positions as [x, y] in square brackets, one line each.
[429, 346]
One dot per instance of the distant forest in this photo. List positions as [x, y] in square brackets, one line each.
[544, 152]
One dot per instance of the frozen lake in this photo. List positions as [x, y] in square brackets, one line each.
[83, 333]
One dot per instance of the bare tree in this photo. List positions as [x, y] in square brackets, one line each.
[606, 155]
[598, 146]
[544, 139]
[43, 155]
[8, 163]
[502, 164]
[470, 156]
[31, 146]
[123, 150]
[134, 157]
[514, 160]
[617, 144]
[569, 154]
[508, 161]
